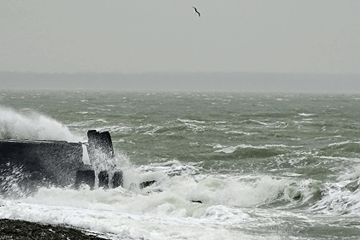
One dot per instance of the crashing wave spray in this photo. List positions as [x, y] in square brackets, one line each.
[34, 126]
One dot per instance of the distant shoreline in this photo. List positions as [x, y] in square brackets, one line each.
[183, 82]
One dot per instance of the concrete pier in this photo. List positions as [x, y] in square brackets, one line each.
[31, 164]
[53, 161]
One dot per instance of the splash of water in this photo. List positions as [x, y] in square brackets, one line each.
[33, 126]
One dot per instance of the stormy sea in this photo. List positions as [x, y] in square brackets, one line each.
[225, 165]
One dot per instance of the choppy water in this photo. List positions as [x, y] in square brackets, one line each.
[264, 166]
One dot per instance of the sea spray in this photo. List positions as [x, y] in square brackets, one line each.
[15, 180]
[33, 126]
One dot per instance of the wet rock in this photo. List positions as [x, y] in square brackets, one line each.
[297, 196]
[117, 179]
[85, 177]
[100, 146]
[103, 179]
[23, 230]
[146, 184]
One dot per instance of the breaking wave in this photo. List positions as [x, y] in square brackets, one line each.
[33, 126]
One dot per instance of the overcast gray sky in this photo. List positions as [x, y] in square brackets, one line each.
[137, 36]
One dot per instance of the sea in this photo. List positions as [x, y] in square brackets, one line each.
[226, 165]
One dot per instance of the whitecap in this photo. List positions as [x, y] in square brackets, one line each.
[306, 114]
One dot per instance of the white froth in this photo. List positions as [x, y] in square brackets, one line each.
[169, 209]
[122, 214]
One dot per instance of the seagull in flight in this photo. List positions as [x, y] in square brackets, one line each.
[196, 11]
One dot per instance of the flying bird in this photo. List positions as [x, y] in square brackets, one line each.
[196, 11]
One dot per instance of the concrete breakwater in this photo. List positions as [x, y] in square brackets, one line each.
[26, 165]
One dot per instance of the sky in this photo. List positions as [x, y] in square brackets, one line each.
[166, 36]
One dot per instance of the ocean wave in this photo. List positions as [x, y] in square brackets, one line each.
[344, 146]
[257, 122]
[342, 198]
[240, 132]
[180, 201]
[251, 151]
[190, 121]
[306, 114]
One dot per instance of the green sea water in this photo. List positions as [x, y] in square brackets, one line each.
[265, 166]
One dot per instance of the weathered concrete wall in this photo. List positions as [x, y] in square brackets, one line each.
[100, 146]
[53, 161]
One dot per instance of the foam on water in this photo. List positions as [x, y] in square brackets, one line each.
[232, 149]
[169, 209]
[341, 197]
[125, 213]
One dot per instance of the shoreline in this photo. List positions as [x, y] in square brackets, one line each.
[21, 230]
